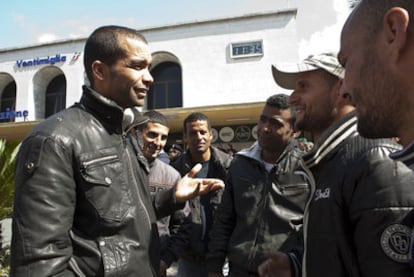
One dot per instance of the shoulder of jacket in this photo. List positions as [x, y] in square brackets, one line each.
[221, 156]
[359, 147]
[360, 143]
[166, 168]
[176, 163]
[181, 164]
[62, 127]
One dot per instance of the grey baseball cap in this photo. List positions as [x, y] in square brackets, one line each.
[286, 75]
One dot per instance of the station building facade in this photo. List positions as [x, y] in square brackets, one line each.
[221, 67]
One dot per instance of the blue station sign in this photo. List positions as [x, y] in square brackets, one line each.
[9, 114]
[40, 61]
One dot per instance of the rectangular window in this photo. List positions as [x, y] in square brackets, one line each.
[246, 49]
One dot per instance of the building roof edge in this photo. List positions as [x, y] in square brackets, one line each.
[150, 28]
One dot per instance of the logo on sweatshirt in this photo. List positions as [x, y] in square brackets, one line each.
[322, 194]
[395, 242]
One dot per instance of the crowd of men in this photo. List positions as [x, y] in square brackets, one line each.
[98, 200]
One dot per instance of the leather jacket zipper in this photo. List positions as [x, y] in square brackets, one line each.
[135, 180]
[292, 186]
[99, 160]
[260, 224]
[309, 177]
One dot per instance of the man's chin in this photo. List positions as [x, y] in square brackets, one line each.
[153, 156]
[139, 103]
[200, 149]
[263, 142]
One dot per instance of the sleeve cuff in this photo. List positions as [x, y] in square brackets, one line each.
[295, 265]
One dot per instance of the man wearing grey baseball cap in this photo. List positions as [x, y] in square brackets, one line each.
[358, 194]
[286, 75]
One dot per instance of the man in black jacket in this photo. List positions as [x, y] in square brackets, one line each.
[82, 205]
[352, 222]
[377, 39]
[264, 200]
[193, 236]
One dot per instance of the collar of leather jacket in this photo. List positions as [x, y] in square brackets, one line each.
[107, 111]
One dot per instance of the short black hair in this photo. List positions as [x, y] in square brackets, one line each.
[156, 117]
[104, 45]
[281, 101]
[196, 117]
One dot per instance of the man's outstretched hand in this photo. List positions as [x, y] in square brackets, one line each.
[189, 187]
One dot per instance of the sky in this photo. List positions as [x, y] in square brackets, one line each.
[28, 22]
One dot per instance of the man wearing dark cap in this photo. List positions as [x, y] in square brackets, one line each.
[174, 151]
[359, 195]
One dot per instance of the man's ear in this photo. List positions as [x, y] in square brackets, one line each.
[395, 26]
[343, 96]
[340, 87]
[99, 70]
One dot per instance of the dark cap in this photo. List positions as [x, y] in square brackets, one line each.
[177, 147]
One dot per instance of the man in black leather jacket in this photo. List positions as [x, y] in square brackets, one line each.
[359, 196]
[193, 236]
[82, 205]
[264, 200]
[385, 108]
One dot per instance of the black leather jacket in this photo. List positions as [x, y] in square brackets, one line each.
[260, 210]
[192, 238]
[82, 205]
[359, 197]
[407, 157]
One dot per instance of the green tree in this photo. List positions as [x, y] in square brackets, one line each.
[8, 152]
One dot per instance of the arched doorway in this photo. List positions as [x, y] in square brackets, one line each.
[49, 85]
[7, 95]
[55, 95]
[166, 91]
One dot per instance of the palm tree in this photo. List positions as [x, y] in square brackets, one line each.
[8, 152]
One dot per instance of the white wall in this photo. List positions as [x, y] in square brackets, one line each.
[210, 76]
